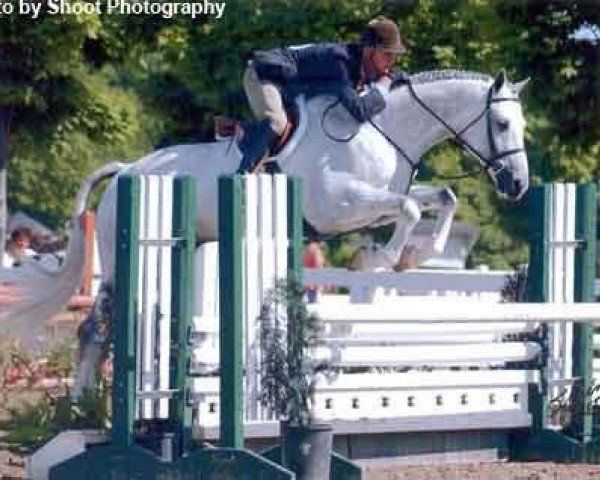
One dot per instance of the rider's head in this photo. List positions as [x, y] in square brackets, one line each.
[381, 43]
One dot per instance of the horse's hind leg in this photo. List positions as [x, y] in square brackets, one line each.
[89, 358]
[442, 200]
[93, 343]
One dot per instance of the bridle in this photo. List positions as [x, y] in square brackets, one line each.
[492, 165]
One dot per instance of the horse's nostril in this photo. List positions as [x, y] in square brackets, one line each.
[518, 185]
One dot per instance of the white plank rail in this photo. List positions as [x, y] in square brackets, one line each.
[460, 312]
[428, 355]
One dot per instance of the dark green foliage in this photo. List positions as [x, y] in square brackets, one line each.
[89, 89]
[68, 115]
[288, 334]
[32, 423]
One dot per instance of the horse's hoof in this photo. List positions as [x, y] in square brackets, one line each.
[407, 260]
[370, 260]
[358, 260]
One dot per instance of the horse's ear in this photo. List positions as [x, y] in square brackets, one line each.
[519, 86]
[500, 80]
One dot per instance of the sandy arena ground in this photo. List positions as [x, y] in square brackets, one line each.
[12, 467]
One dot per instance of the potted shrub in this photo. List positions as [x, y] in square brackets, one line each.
[288, 334]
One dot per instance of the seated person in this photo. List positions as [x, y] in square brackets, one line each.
[335, 68]
[18, 247]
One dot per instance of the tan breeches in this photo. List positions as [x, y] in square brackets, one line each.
[265, 100]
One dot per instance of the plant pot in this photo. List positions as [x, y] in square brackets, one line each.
[307, 450]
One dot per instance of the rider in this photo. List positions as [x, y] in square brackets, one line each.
[274, 77]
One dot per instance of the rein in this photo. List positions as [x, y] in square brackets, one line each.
[491, 165]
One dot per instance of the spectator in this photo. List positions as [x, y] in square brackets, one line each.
[46, 243]
[274, 77]
[313, 258]
[18, 247]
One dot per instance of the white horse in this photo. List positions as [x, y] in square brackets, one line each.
[353, 175]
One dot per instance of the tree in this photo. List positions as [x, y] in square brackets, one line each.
[68, 112]
[85, 89]
[531, 38]
[565, 71]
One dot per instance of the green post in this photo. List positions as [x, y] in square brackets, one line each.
[182, 288]
[294, 222]
[123, 458]
[583, 334]
[125, 331]
[231, 311]
[540, 211]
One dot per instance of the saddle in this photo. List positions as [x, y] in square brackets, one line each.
[234, 130]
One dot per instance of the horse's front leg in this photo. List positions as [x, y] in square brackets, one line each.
[443, 201]
[370, 206]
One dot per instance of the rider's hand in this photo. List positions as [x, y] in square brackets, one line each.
[385, 81]
[399, 77]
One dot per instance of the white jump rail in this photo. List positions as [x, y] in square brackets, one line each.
[395, 401]
[364, 286]
[154, 307]
[418, 350]
[460, 312]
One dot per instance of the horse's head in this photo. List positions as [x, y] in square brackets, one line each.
[496, 138]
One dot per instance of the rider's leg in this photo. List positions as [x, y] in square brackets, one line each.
[258, 139]
[267, 106]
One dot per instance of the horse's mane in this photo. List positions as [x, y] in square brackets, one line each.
[437, 75]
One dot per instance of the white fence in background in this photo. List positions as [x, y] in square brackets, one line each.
[418, 350]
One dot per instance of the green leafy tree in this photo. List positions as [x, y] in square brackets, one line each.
[530, 38]
[68, 113]
[565, 90]
[87, 89]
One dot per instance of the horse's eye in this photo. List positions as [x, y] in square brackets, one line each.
[503, 125]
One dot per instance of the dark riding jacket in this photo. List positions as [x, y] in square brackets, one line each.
[331, 68]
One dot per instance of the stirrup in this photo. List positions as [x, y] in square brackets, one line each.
[261, 165]
[283, 138]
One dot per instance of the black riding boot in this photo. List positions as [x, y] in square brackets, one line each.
[259, 137]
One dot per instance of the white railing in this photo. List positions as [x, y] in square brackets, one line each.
[450, 311]
[399, 342]
[433, 319]
[366, 286]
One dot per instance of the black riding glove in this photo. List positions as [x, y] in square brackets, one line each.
[399, 78]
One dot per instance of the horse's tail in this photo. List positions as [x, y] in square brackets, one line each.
[39, 290]
[88, 185]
